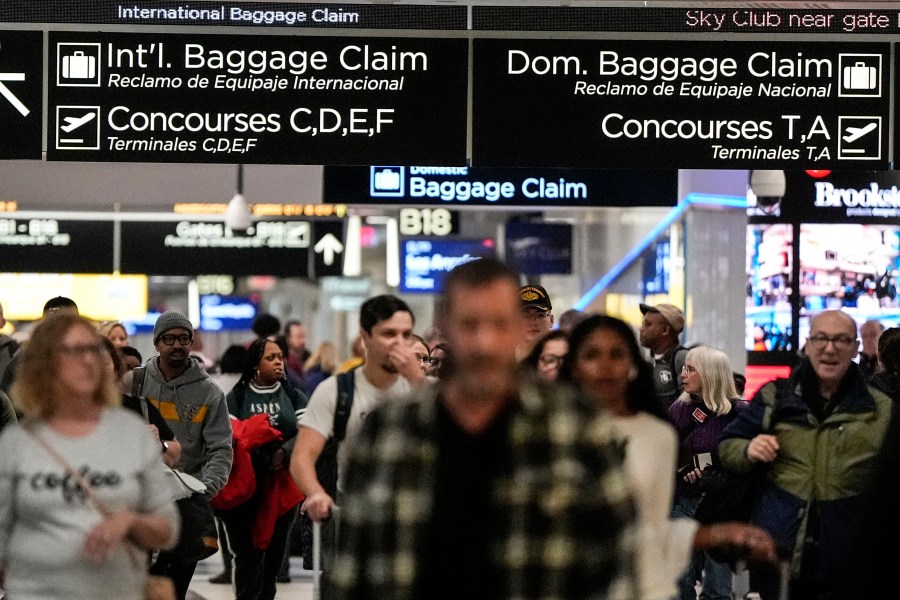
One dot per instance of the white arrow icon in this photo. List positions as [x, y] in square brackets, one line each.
[328, 246]
[4, 91]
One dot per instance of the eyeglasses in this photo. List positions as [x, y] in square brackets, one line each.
[536, 315]
[551, 360]
[688, 369]
[169, 339]
[426, 360]
[82, 350]
[841, 342]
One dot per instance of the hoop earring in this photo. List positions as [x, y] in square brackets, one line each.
[632, 373]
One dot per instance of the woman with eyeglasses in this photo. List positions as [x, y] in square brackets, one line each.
[547, 356]
[707, 405]
[258, 528]
[423, 353]
[55, 542]
[605, 363]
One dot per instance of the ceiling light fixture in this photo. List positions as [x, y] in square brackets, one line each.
[238, 215]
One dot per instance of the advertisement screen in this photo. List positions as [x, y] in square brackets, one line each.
[769, 287]
[850, 267]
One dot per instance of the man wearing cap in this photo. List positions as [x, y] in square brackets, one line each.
[535, 303]
[659, 333]
[51, 307]
[194, 407]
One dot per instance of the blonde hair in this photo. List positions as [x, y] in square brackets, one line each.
[106, 327]
[716, 378]
[36, 390]
[325, 356]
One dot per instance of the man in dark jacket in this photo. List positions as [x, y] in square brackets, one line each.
[660, 329]
[822, 451]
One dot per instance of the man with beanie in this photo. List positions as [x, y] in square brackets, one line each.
[194, 407]
[659, 333]
[536, 306]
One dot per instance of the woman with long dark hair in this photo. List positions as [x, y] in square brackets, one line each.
[258, 528]
[605, 363]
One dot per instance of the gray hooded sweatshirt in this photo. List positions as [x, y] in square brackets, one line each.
[194, 407]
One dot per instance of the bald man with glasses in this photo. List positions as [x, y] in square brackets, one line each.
[820, 453]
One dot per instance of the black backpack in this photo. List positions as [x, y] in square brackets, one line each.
[326, 465]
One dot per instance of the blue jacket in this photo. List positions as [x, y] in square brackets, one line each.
[828, 459]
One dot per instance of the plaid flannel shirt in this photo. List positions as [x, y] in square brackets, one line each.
[568, 513]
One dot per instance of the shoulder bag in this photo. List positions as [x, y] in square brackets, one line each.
[729, 496]
[156, 587]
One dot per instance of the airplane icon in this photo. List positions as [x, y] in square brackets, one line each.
[854, 133]
[73, 123]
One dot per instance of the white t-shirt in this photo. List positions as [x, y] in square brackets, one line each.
[664, 544]
[319, 415]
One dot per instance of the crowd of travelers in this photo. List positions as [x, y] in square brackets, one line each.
[497, 453]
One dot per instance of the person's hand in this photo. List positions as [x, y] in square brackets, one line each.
[693, 476]
[107, 535]
[763, 448]
[404, 359]
[318, 506]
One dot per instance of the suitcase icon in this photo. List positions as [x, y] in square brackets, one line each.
[79, 66]
[860, 77]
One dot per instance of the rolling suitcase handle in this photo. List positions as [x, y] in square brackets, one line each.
[317, 559]
[317, 553]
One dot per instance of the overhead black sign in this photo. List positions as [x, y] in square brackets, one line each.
[266, 99]
[614, 103]
[21, 94]
[462, 186]
[233, 14]
[55, 246]
[716, 19]
[190, 248]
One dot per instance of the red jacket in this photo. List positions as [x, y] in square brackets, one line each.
[276, 491]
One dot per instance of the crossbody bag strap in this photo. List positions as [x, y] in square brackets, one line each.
[96, 501]
[98, 504]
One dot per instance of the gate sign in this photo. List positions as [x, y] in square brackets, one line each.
[263, 99]
[189, 247]
[680, 104]
[55, 245]
[21, 94]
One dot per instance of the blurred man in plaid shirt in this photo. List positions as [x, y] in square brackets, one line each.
[487, 485]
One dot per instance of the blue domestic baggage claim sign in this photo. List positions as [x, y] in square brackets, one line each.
[256, 99]
[680, 104]
[21, 94]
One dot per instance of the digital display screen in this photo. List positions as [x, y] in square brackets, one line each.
[849, 267]
[769, 287]
[425, 263]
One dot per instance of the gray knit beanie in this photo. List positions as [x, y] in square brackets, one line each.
[171, 320]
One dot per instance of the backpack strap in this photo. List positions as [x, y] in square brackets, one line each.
[345, 385]
[137, 380]
[773, 403]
